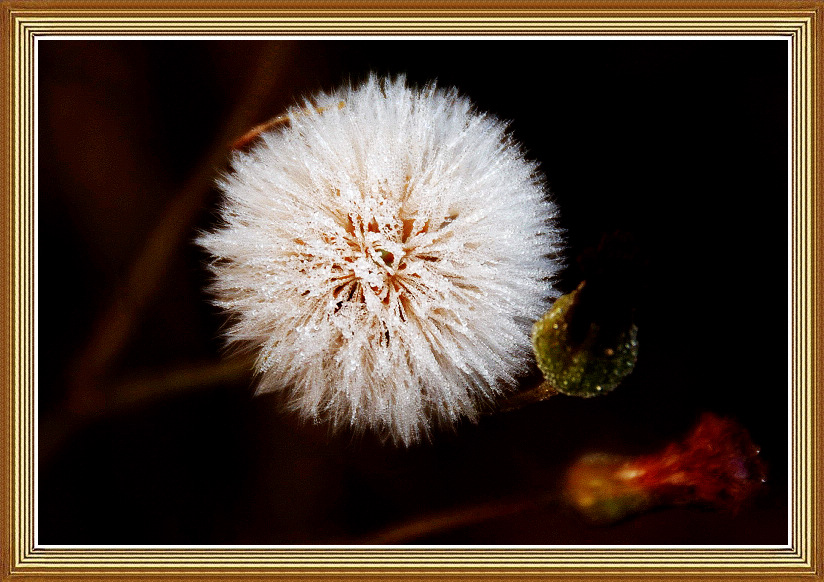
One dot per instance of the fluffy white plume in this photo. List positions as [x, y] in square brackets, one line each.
[385, 254]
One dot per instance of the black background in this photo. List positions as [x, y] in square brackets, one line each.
[683, 144]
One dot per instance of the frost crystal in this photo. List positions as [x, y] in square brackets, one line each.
[385, 255]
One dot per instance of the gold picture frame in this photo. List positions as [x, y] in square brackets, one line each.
[24, 22]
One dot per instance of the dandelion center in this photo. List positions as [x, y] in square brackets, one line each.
[381, 262]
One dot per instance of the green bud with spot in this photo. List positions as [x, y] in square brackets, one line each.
[591, 363]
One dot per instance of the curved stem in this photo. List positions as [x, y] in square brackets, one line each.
[518, 400]
[117, 322]
[452, 519]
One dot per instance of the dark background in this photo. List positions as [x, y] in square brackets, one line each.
[150, 435]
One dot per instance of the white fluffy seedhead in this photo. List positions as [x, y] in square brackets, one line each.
[385, 254]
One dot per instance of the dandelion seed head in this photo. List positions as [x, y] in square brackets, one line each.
[385, 255]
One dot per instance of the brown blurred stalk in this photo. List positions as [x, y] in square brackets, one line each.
[457, 518]
[90, 393]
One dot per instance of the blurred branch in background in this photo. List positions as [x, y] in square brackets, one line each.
[90, 394]
[456, 518]
[108, 399]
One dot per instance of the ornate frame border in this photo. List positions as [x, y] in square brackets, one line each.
[24, 21]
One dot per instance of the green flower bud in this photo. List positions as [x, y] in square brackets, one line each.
[593, 366]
